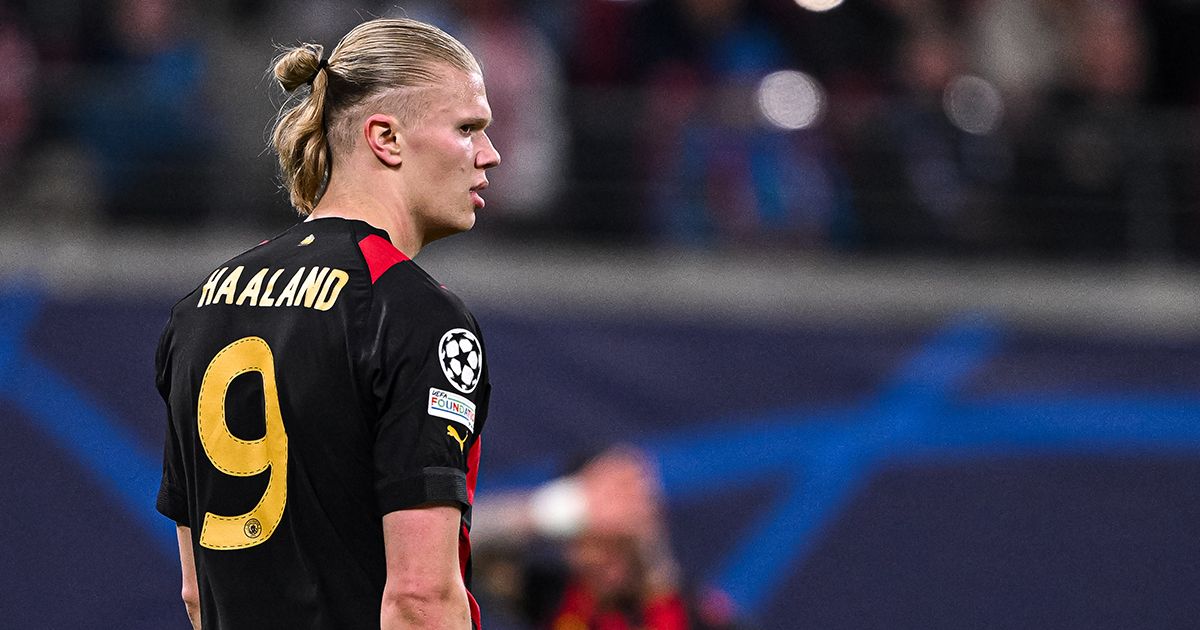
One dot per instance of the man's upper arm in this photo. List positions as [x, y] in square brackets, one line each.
[424, 368]
[421, 547]
[422, 541]
[418, 350]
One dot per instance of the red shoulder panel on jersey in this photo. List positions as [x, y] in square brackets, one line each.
[473, 468]
[380, 255]
[464, 535]
[464, 558]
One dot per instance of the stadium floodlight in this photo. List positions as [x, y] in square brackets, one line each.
[973, 104]
[791, 100]
[819, 5]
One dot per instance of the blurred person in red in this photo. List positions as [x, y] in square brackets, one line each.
[616, 570]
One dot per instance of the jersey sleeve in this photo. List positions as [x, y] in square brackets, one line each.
[426, 372]
[172, 490]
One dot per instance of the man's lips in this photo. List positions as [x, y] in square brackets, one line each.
[475, 197]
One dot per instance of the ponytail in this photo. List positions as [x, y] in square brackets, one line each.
[300, 137]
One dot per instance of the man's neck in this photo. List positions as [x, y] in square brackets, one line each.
[403, 234]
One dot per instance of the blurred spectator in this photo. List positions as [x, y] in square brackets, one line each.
[616, 571]
[16, 89]
[602, 55]
[1176, 28]
[640, 120]
[1092, 177]
[1021, 46]
[605, 46]
[145, 120]
[718, 172]
[50, 182]
[525, 90]
[923, 181]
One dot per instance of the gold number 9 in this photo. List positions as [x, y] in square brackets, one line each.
[243, 458]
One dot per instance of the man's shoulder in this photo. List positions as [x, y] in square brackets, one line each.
[406, 287]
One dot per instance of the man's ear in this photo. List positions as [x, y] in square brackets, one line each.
[383, 138]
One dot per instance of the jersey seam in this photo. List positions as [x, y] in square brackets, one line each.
[361, 320]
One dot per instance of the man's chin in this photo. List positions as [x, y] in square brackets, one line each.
[463, 225]
[466, 224]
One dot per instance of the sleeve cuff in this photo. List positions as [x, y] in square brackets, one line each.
[172, 504]
[431, 485]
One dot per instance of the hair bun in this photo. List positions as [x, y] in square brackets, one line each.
[296, 66]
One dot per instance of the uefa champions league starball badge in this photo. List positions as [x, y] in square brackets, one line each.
[461, 358]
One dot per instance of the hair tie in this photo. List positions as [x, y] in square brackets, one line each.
[322, 64]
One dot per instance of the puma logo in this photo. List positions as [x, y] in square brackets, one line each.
[462, 441]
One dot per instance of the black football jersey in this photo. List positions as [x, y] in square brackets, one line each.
[314, 384]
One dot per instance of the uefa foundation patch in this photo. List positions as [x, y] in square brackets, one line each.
[450, 406]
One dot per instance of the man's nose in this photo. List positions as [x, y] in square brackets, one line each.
[488, 157]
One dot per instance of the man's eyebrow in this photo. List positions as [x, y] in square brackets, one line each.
[477, 121]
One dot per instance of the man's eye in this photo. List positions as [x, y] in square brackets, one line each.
[466, 129]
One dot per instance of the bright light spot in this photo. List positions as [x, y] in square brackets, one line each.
[818, 5]
[973, 104]
[791, 100]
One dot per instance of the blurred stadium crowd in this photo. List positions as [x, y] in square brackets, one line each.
[1033, 128]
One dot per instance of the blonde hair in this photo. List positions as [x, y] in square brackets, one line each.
[379, 62]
